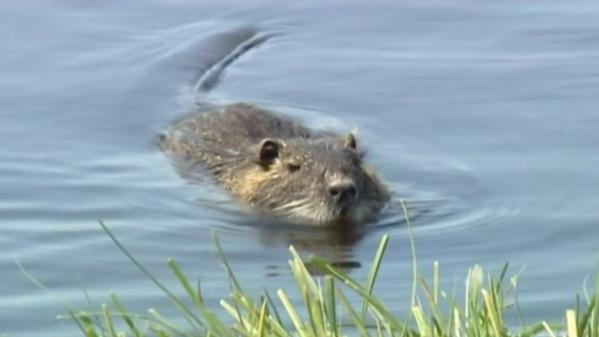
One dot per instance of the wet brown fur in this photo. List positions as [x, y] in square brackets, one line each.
[292, 181]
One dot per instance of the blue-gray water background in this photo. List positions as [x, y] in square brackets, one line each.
[483, 116]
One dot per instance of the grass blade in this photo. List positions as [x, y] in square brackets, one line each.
[374, 270]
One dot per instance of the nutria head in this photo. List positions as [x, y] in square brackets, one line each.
[317, 181]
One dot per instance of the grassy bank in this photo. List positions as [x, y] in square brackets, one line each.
[327, 310]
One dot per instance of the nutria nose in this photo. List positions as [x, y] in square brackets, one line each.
[343, 192]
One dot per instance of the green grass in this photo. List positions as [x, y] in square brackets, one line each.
[329, 308]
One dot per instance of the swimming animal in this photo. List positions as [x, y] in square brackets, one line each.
[275, 163]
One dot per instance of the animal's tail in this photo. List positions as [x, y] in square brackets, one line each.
[227, 47]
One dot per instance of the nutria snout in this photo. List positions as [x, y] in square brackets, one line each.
[280, 166]
[343, 192]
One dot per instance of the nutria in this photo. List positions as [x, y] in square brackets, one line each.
[275, 163]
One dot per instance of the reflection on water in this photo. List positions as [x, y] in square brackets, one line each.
[334, 244]
[481, 116]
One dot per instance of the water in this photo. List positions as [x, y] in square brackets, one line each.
[482, 116]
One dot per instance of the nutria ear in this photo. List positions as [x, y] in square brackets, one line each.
[350, 141]
[269, 151]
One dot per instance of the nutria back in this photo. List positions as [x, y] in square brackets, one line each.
[278, 165]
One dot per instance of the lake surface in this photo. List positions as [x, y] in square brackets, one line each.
[483, 117]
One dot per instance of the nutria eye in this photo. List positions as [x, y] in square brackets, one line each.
[293, 167]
